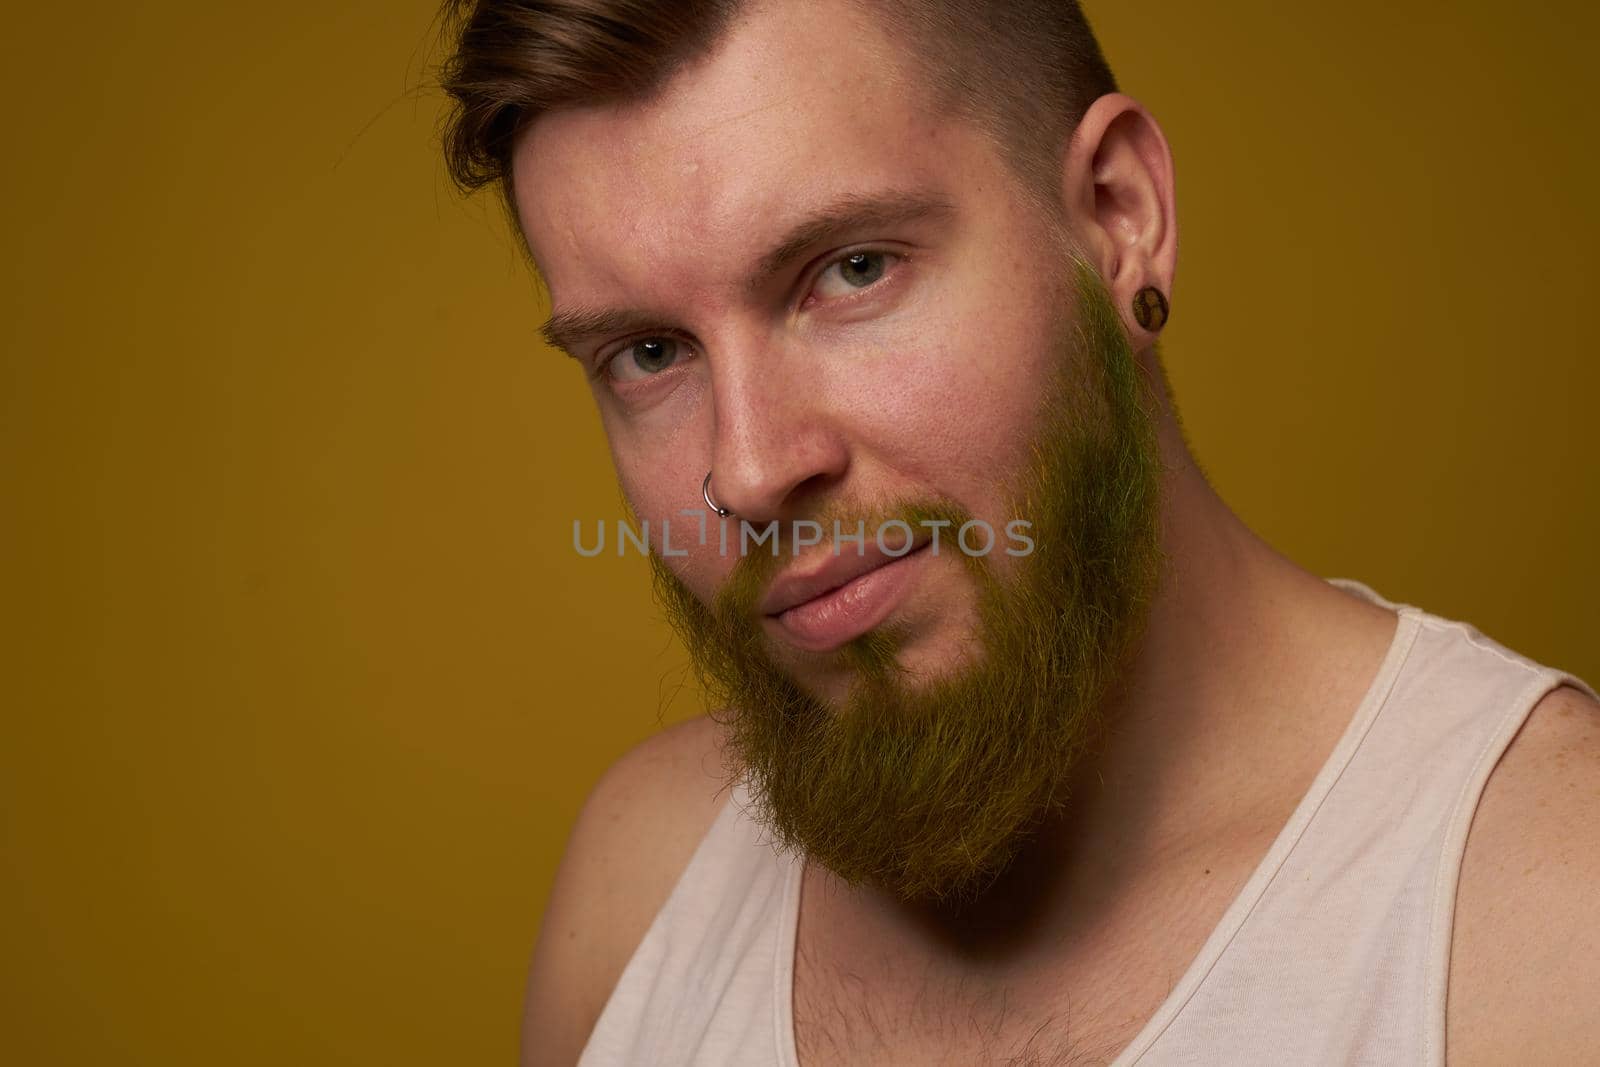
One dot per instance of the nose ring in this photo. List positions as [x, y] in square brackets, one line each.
[705, 491]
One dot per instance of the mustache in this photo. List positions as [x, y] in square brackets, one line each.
[741, 593]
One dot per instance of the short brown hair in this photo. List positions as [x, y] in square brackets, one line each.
[1025, 71]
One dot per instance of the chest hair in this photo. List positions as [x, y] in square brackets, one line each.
[843, 1019]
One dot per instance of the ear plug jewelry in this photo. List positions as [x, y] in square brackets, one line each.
[1150, 308]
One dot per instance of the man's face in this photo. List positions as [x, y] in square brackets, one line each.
[842, 305]
[913, 371]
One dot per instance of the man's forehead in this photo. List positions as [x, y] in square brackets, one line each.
[728, 147]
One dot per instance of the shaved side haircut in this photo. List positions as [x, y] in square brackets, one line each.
[1023, 71]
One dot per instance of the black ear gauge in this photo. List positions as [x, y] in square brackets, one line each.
[1150, 308]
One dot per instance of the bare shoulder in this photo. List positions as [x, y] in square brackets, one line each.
[628, 847]
[1525, 967]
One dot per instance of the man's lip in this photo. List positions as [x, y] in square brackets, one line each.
[825, 573]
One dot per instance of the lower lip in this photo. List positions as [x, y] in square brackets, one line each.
[835, 618]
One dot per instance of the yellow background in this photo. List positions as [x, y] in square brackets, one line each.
[303, 683]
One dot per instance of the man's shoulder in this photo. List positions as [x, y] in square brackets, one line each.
[676, 778]
[650, 809]
[631, 842]
[1525, 960]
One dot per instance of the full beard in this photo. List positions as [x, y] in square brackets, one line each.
[928, 790]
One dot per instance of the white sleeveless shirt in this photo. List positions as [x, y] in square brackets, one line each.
[1336, 950]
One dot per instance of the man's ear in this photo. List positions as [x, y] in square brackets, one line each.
[1118, 189]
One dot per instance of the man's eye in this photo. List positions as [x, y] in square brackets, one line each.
[852, 273]
[642, 358]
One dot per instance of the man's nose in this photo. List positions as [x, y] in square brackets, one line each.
[776, 453]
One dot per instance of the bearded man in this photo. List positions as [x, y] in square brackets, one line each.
[1139, 790]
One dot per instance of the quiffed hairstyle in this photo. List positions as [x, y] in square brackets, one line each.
[1024, 71]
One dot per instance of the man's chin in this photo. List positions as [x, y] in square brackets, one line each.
[908, 659]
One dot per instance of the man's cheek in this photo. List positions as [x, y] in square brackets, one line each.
[941, 392]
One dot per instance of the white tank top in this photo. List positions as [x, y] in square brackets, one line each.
[1335, 951]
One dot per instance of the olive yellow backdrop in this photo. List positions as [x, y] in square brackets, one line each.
[303, 681]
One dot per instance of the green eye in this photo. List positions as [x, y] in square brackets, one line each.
[642, 358]
[861, 269]
[856, 271]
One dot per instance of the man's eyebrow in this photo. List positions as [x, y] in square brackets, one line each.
[568, 328]
[853, 211]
